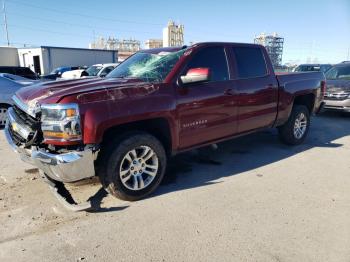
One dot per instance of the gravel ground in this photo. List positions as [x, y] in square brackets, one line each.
[253, 199]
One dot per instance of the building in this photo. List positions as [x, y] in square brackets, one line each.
[9, 56]
[274, 46]
[44, 59]
[125, 47]
[173, 35]
[153, 43]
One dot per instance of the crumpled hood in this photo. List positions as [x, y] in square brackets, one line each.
[52, 92]
[338, 86]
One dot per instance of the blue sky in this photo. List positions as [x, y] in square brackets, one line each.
[314, 30]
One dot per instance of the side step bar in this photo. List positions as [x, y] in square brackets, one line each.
[63, 195]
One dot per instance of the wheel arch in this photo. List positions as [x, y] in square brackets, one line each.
[158, 127]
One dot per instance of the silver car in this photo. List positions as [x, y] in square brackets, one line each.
[337, 95]
[9, 84]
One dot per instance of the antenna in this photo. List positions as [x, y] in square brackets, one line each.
[5, 23]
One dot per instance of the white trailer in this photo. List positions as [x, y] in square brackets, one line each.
[44, 59]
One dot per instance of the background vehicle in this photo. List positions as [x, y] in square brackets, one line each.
[313, 68]
[20, 71]
[9, 84]
[100, 70]
[155, 104]
[337, 96]
[57, 73]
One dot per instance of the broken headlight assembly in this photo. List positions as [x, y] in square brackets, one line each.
[61, 122]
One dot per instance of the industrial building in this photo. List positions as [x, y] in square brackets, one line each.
[125, 47]
[173, 35]
[44, 59]
[153, 43]
[9, 56]
[274, 46]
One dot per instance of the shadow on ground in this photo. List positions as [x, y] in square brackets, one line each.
[202, 167]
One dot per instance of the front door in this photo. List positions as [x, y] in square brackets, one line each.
[207, 111]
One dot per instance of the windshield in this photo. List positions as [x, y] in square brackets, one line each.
[148, 67]
[338, 72]
[93, 70]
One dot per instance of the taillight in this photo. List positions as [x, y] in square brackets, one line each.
[323, 87]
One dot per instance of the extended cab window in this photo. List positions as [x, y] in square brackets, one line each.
[250, 62]
[213, 58]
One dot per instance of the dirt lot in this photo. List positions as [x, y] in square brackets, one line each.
[253, 199]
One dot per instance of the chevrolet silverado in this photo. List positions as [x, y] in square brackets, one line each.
[157, 103]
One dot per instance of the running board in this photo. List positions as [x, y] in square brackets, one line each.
[63, 195]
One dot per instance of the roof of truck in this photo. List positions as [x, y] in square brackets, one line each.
[177, 48]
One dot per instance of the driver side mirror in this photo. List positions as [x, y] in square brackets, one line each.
[196, 75]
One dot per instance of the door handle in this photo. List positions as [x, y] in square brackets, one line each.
[229, 92]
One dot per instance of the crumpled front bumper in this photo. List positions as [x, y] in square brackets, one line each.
[66, 167]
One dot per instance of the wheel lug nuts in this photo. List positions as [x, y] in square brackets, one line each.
[143, 165]
[132, 168]
[135, 173]
[140, 171]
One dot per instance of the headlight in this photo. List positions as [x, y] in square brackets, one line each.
[61, 122]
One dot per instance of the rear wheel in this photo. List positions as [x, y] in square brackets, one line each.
[133, 166]
[3, 115]
[297, 127]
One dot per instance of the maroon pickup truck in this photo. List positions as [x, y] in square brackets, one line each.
[157, 103]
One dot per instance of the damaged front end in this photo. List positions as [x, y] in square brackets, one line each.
[24, 132]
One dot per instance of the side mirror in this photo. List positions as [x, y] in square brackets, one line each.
[196, 75]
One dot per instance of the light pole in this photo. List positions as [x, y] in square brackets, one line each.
[5, 23]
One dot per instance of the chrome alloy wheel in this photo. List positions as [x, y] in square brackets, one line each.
[3, 116]
[300, 126]
[138, 168]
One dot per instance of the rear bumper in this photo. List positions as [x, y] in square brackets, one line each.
[65, 167]
[338, 105]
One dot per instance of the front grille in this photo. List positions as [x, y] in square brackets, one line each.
[29, 122]
[27, 119]
[336, 96]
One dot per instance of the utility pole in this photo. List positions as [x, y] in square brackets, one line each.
[5, 23]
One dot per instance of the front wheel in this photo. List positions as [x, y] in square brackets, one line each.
[133, 166]
[297, 127]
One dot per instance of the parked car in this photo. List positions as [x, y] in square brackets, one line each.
[73, 74]
[100, 70]
[57, 72]
[20, 71]
[157, 103]
[337, 96]
[9, 84]
[313, 68]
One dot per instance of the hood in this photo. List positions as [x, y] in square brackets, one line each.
[338, 86]
[53, 92]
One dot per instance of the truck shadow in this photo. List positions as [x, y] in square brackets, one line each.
[204, 166]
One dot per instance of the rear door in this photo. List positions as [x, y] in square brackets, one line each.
[207, 111]
[257, 88]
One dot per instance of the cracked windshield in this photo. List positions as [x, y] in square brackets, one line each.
[148, 67]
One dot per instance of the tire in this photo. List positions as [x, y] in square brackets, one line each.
[3, 111]
[126, 179]
[288, 133]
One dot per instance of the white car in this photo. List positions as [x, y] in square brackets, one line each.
[100, 70]
[73, 74]
[9, 84]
